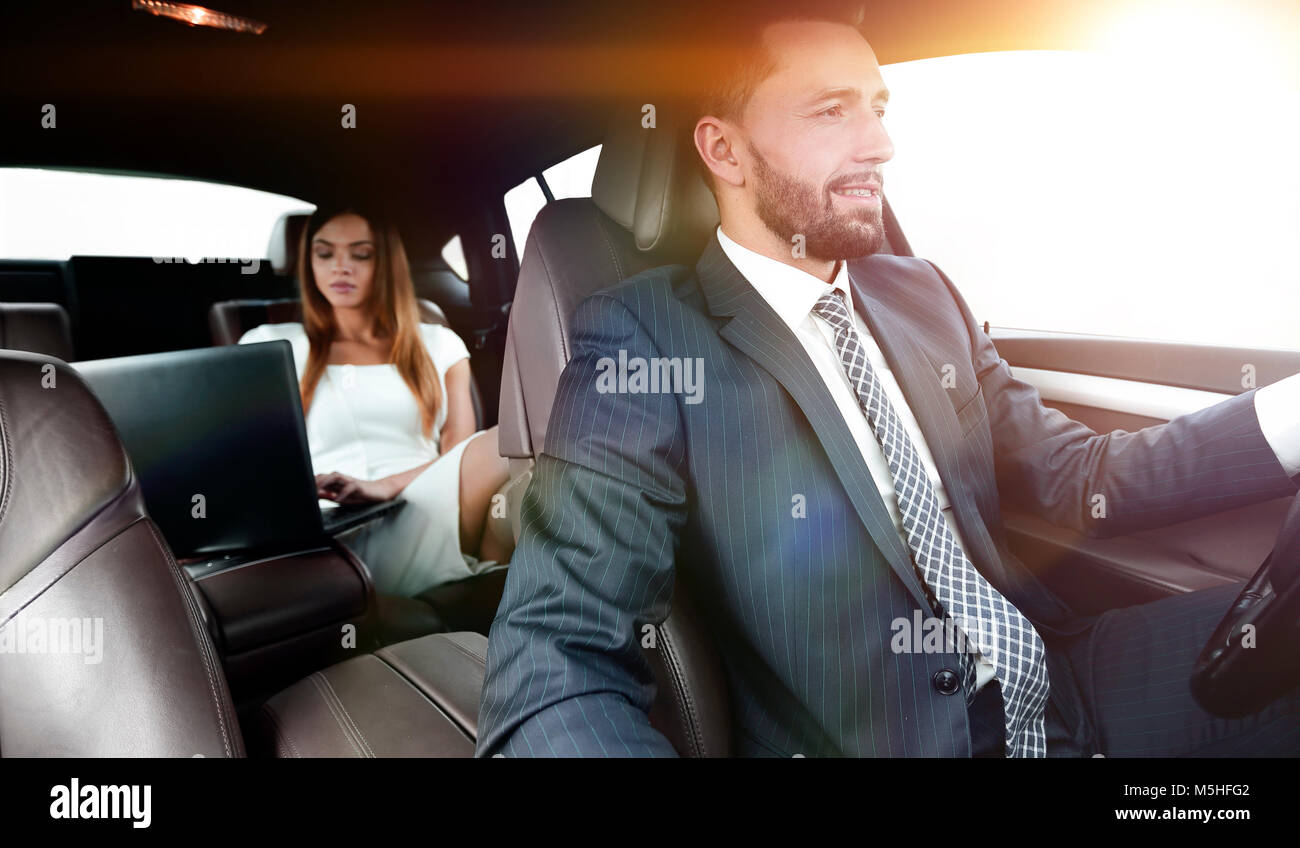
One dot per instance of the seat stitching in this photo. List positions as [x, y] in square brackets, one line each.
[201, 635]
[342, 706]
[682, 693]
[390, 662]
[474, 655]
[55, 577]
[280, 732]
[609, 245]
[555, 300]
[329, 704]
[7, 471]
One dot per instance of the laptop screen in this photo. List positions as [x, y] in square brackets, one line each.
[217, 438]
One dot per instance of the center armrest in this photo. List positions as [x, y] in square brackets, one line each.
[269, 599]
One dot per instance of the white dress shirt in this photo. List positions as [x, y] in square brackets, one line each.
[792, 293]
[1278, 408]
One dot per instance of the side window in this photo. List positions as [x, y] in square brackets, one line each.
[1085, 192]
[523, 202]
[454, 255]
[572, 177]
[569, 178]
[55, 214]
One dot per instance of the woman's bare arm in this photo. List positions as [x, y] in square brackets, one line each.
[460, 407]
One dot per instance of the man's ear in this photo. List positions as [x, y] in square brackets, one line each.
[715, 143]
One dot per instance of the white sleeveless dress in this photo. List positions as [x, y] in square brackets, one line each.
[364, 422]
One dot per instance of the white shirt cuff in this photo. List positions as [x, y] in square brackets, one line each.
[1278, 408]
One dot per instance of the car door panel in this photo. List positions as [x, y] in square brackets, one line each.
[1109, 384]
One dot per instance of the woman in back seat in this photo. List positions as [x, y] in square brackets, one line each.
[388, 408]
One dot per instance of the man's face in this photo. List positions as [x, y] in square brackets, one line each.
[814, 141]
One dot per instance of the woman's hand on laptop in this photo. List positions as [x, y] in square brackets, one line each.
[350, 490]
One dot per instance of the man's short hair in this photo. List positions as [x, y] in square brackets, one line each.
[731, 75]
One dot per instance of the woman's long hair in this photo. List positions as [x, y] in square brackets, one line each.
[392, 308]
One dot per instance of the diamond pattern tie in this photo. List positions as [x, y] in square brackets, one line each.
[989, 622]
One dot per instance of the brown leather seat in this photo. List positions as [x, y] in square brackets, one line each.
[36, 327]
[103, 650]
[648, 208]
[414, 699]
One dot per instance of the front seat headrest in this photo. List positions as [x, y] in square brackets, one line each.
[648, 182]
[649, 207]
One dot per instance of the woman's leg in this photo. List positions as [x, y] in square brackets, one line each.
[482, 471]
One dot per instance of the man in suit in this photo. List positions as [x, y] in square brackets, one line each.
[840, 469]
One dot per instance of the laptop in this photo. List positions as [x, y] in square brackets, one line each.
[217, 439]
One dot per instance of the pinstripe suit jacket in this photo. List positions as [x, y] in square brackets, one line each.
[633, 486]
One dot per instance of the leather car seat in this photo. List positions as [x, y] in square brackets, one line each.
[648, 207]
[103, 650]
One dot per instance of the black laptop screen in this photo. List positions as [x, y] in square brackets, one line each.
[217, 439]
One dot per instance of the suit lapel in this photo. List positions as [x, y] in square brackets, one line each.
[918, 377]
[757, 331]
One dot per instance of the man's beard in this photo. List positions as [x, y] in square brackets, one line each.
[790, 208]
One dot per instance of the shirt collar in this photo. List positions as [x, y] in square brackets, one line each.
[790, 292]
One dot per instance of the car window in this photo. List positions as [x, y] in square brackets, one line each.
[453, 253]
[572, 177]
[56, 214]
[523, 202]
[1093, 193]
[569, 178]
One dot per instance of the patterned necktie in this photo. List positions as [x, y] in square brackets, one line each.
[989, 622]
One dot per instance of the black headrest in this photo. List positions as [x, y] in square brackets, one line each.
[647, 181]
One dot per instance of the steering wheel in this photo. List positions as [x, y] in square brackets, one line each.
[1253, 658]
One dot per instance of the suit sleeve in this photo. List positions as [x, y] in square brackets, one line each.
[594, 564]
[1052, 466]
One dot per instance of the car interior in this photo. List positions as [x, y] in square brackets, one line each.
[126, 404]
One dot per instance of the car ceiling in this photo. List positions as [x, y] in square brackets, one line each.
[453, 100]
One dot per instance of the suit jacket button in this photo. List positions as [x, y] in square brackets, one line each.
[946, 681]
